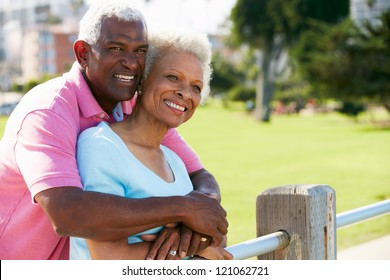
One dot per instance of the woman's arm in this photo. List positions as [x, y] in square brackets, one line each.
[117, 250]
[120, 249]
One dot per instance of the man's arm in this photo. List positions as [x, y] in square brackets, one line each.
[204, 182]
[104, 217]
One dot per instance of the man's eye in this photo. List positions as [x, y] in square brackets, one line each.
[142, 51]
[172, 77]
[116, 48]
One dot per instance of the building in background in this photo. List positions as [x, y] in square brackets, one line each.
[47, 50]
[36, 38]
[371, 10]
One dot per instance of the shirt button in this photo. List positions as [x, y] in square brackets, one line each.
[101, 116]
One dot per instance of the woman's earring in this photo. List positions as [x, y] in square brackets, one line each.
[139, 90]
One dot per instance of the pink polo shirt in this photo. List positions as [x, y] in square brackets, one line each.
[37, 152]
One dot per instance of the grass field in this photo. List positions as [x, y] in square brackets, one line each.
[248, 157]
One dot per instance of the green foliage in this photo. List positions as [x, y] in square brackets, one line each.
[256, 21]
[17, 88]
[251, 22]
[225, 75]
[347, 62]
[30, 84]
[293, 90]
[242, 93]
[352, 109]
[274, 25]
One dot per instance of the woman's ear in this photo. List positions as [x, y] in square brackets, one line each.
[81, 50]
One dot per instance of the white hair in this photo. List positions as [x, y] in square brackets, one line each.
[90, 24]
[162, 42]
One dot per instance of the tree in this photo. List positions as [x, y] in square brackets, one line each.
[225, 75]
[274, 25]
[347, 62]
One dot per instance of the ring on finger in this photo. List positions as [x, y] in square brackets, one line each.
[172, 253]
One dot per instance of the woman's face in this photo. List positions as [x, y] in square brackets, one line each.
[173, 88]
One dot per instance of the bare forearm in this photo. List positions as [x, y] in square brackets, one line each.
[118, 250]
[102, 217]
[204, 182]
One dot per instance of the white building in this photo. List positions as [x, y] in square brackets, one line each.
[362, 10]
[29, 40]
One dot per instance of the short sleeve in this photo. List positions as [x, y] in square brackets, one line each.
[176, 143]
[45, 151]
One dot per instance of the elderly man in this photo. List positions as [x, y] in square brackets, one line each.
[42, 200]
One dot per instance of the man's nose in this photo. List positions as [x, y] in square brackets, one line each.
[130, 60]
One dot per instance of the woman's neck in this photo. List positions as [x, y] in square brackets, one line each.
[141, 129]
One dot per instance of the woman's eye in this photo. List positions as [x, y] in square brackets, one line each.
[197, 89]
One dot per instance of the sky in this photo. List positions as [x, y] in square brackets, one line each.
[197, 15]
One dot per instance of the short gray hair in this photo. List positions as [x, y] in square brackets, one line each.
[90, 24]
[162, 42]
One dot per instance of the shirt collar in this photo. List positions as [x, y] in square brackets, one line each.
[87, 103]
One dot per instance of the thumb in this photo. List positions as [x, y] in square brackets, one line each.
[148, 237]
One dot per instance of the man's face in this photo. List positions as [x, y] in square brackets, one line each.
[116, 63]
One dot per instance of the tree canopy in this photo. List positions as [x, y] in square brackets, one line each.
[273, 25]
[348, 62]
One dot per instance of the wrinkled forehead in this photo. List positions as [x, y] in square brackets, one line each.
[181, 61]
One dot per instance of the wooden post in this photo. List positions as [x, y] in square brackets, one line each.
[307, 213]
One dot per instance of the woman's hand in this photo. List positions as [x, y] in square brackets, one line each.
[165, 245]
[215, 253]
[177, 238]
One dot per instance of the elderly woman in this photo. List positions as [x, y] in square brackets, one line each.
[177, 76]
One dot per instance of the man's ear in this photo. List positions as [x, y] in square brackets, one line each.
[81, 50]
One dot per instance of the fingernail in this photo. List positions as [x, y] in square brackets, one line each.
[183, 254]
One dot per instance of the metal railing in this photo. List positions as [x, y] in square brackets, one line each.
[258, 246]
[278, 240]
[363, 213]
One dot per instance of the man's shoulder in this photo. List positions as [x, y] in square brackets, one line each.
[47, 94]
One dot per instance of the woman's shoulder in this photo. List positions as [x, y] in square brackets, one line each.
[101, 130]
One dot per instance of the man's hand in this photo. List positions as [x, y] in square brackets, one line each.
[192, 242]
[206, 216]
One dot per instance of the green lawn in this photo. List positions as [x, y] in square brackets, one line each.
[248, 157]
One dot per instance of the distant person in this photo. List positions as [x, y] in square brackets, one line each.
[42, 200]
[177, 75]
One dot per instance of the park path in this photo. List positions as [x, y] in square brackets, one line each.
[377, 249]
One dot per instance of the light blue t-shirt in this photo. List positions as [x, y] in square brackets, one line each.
[107, 165]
